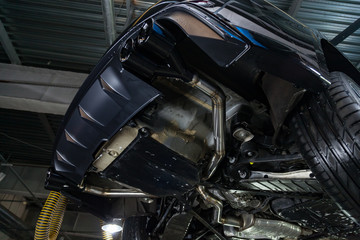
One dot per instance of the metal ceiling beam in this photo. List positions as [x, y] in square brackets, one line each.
[37, 89]
[109, 20]
[19, 178]
[46, 124]
[294, 7]
[34, 178]
[12, 226]
[347, 32]
[8, 46]
[129, 12]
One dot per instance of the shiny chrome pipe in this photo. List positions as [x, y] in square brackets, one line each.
[114, 192]
[218, 113]
[218, 206]
[245, 222]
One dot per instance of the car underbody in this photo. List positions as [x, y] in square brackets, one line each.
[196, 127]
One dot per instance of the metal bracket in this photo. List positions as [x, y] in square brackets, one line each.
[300, 174]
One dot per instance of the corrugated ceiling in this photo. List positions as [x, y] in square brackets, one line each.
[24, 139]
[69, 34]
[62, 34]
[3, 56]
[332, 17]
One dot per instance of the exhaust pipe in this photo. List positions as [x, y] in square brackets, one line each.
[218, 114]
[246, 220]
[115, 192]
[247, 226]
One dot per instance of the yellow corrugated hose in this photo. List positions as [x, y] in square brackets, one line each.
[105, 235]
[57, 217]
[51, 217]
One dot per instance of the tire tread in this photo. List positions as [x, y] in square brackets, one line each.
[327, 128]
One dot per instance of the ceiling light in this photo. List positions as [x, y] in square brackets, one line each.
[111, 228]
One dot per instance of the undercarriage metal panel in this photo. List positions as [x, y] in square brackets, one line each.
[152, 167]
[319, 215]
[282, 185]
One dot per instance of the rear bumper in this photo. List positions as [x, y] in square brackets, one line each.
[104, 104]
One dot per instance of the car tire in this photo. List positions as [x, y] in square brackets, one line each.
[327, 129]
[135, 229]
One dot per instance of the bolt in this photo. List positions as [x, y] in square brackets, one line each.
[147, 200]
[254, 203]
[250, 154]
[242, 174]
[113, 153]
[232, 159]
[144, 132]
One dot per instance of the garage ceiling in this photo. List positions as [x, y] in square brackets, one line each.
[62, 34]
[69, 34]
